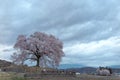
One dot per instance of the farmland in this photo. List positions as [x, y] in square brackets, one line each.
[20, 76]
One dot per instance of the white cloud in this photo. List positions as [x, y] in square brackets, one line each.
[103, 52]
[5, 52]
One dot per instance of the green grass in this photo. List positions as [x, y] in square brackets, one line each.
[94, 77]
[79, 77]
[5, 76]
[19, 76]
[11, 76]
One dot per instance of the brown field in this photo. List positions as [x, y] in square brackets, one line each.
[16, 76]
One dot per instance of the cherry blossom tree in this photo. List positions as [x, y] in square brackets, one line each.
[45, 49]
[19, 57]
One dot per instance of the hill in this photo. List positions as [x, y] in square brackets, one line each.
[4, 63]
[81, 69]
[87, 70]
[90, 70]
[116, 70]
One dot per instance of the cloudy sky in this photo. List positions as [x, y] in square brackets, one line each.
[89, 29]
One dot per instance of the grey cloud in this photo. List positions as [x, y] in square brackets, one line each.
[99, 59]
[94, 31]
[75, 21]
[29, 16]
[7, 50]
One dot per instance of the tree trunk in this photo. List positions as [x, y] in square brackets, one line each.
[38, 61]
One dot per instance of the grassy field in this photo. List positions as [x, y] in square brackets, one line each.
[16, 76]
[11, 76]
[94, 77]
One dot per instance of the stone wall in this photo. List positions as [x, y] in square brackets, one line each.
[54, 73]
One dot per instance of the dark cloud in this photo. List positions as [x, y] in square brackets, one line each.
[78, 21]
[29, 16]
